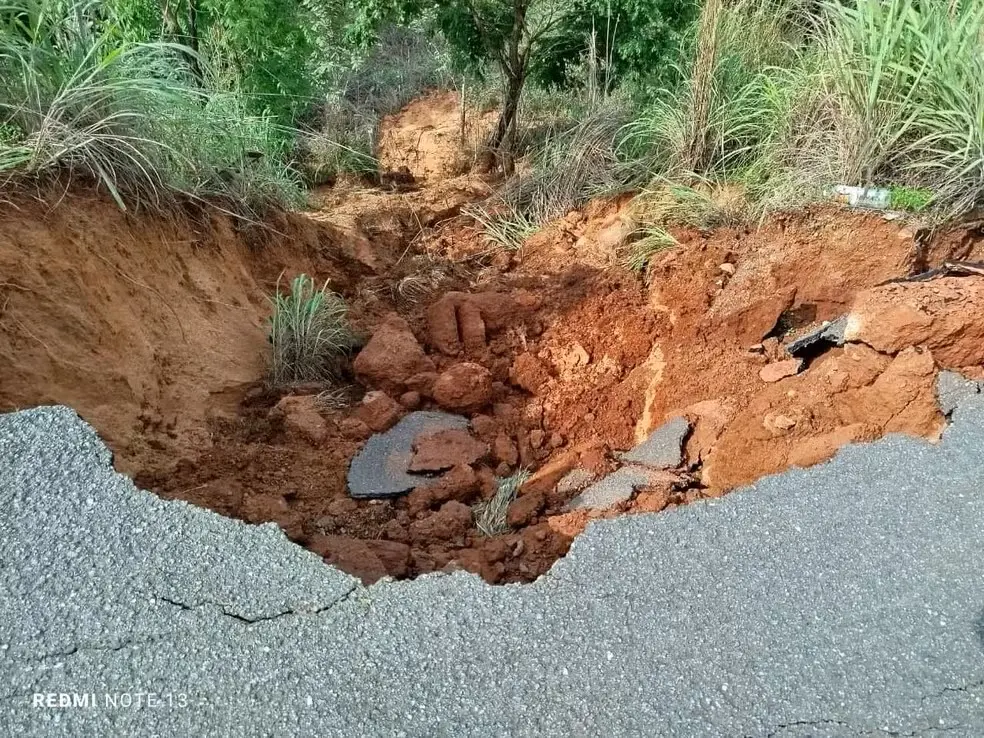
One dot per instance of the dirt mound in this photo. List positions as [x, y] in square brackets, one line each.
[155, 331]
[429, 139]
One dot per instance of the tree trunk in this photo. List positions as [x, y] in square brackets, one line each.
[510, 107]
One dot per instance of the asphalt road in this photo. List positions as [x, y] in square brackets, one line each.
[847, 599]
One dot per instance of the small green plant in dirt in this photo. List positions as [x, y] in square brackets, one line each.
[490, 514]
[309, 333]
[638, 253]
[912, 199]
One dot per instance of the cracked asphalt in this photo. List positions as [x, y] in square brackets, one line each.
[846, 599]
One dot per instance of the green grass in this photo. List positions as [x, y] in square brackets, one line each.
[77, 101]
[638, 253]
[787, 99]
[309, 333]
[912, 199]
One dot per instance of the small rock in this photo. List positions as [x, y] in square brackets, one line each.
[529, 373]
[394, 556]
[410, 400]
[664, 447]
[756, 348]
[462, 483]
[450, 523]
[379, 411]
[301, 417]
[392, 355]
[354, 429]
[445, 449]
[484, 426]
[503, 470]
[778, 424]
[504, 450]
[422, 383]
[556, 440]
[464, 387]
[536, 438]
[727, 268]
[780, 370]
[524, 510]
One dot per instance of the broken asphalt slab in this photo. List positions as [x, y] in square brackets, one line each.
[664, 447]
[619, 486]
[380, 469]
[844, 599]
[830, 334]
[952, 389]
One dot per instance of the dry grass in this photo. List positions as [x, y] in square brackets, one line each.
[490, 514]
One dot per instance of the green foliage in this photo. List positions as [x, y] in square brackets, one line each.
[631, 41]
[87, 102]
[789, 98]
[913, 199]
[308, 332]
[402, 64]
[274, 52]
[653, 240]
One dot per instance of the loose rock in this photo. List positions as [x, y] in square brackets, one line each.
[444, 449]
[392, 356]
[664, 447]
[619, 486]
[464, 387]
[379, 411]
[780, 370]
[301, 417]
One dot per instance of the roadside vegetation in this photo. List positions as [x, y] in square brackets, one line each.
[716, 112]
[309, 333]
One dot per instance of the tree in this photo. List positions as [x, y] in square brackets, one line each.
[508, 33]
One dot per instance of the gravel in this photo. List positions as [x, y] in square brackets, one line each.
[845, 599]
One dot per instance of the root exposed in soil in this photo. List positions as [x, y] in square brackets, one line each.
[155, 332]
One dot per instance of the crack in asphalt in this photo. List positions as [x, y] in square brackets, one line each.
[222, 609]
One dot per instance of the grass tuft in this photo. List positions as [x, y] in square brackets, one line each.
[490, 514]
[309, 333]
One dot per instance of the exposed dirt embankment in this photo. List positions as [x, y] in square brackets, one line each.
[147, 326]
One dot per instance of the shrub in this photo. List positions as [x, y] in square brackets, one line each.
[309, 333]
[568, 169]
[129, 116]
[402, 64]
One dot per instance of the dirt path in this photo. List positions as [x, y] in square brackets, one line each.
[154, 330]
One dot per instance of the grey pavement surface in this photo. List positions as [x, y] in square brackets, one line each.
[617, 487]
[664, 447]
[846, 599]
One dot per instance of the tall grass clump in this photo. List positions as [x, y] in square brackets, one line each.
[78, 100]
[566, 170]
[309, 333]
[787, 98]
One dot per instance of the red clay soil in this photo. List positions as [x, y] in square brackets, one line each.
[154, 330]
